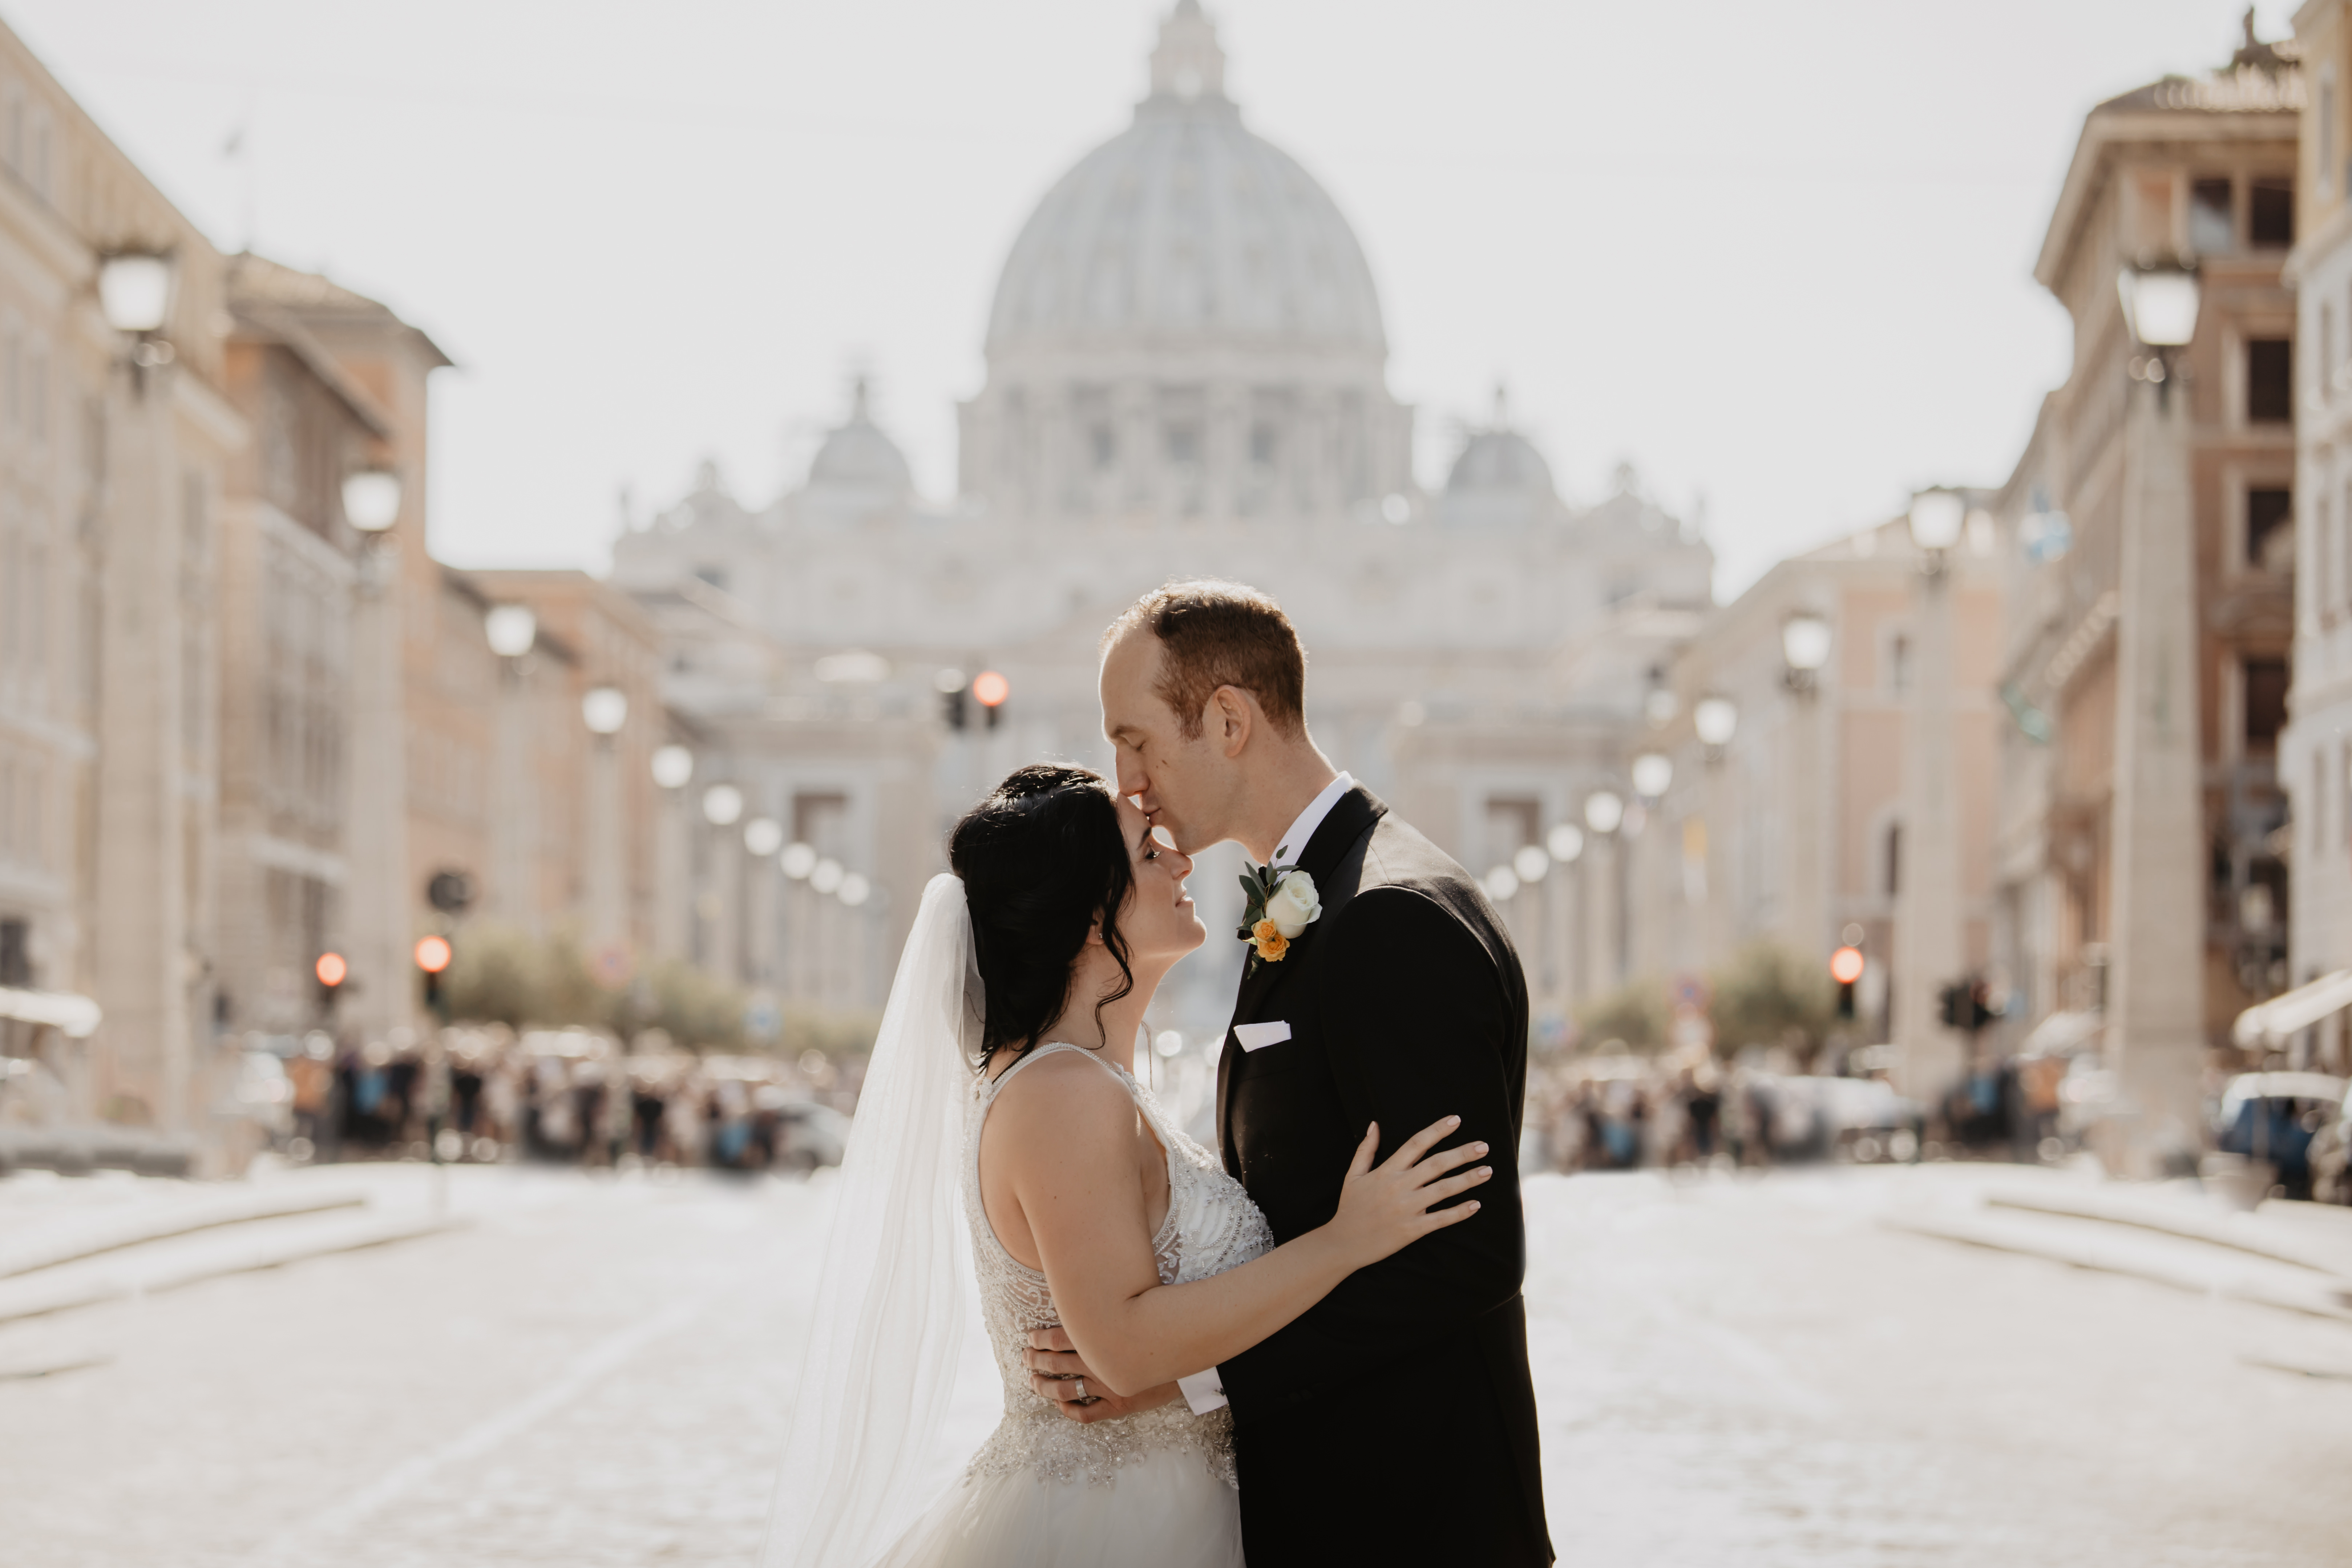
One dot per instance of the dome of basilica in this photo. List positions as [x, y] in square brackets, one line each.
[858, 454]
[1186, 225]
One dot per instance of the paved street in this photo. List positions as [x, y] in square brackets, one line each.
[1732, 1371]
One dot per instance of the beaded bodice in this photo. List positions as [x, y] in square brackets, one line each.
[1211, 1226]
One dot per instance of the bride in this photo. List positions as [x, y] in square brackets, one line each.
[1002, 1080]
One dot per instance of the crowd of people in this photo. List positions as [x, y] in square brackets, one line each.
[570, 1096]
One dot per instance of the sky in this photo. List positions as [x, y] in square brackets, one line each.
[1778, 258]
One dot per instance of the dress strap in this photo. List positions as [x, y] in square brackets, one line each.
[1038, 1053]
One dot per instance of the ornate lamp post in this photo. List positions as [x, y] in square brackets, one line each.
[2156, 999]
[1928, 898]
[605, 711]
[673, 769]
[512, 630]
[1805, 650]
[722, 899]
[1604, 936]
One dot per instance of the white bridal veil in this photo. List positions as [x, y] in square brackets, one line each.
[888, 1326]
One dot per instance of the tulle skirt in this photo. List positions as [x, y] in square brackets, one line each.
[1165, 1511]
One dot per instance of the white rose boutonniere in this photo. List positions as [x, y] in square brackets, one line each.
[1282, 904]
[1292, 907]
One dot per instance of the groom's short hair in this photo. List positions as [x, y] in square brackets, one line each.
[1215, 634]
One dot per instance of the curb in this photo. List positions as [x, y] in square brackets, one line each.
[2235, 1235]
[23, 1299]
[177, 1219]
[2332, 1301]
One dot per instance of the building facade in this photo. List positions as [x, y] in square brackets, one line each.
[2142, 894]
[1186, 375]
[1803, 828]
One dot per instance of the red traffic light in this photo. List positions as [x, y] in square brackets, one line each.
[330, 969]
[990, 690]
[1845, 965]
[433, 955]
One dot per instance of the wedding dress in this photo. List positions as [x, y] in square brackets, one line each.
[1150, 1490]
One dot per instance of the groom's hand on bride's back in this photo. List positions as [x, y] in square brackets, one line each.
[1056, 1372]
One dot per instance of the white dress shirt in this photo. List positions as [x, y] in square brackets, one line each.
[1205, 1390]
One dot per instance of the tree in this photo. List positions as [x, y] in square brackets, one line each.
[1766, 996]
[1634, 1016]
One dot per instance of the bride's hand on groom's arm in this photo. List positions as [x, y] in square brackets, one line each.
[1056, 1372]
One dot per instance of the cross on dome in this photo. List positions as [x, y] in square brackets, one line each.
[1188, 64]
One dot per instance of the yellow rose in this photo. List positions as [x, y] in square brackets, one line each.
[1271, 943]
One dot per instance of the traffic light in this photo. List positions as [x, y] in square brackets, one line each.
[1966, 1005]
[990, 690]
[432, 956]
[1846, 968]
[950, 685]
[331, 972]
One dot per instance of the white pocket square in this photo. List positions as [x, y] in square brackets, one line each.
[1257, 1036]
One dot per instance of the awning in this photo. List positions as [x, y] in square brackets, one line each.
[2269, 1024]
[2061, 1032]
[61, 1010]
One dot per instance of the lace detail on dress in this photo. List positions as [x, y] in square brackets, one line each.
[1211, 1226]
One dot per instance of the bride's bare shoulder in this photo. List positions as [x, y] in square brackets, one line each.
[1065, 1096]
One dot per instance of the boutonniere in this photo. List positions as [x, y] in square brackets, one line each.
[1281, 904]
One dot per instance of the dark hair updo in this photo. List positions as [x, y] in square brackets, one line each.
[1042, 859]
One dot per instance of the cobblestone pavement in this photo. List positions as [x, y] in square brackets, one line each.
[1731, 1373]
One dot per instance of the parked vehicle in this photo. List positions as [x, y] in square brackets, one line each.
[2271, 1117]
[2330, 1156]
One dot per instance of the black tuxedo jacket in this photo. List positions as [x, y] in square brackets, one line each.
[1395, 1420]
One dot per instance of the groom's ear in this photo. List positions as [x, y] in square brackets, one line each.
[1230, 714]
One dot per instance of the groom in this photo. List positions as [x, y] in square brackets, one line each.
[1395, 1421]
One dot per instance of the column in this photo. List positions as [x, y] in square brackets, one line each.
[2156, 997]
[1602, 931]
[1927, 948]
[512, 897]
[608, 906]
[1803, 887]
[376, 909]
[140, 937]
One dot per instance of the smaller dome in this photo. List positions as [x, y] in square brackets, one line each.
[859, 454]
[1499, 461]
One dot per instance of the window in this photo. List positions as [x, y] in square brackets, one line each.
[2313, 832]
[1263, 444]
[714, 576]
[16, 952]
[2270, 213]
[2327, 123]
[2265, 688]
[2270, 381]
[2152, 215]
[1184, 445]
[1898, 664]
[1103, 445]
[2212, 227]
[2270, 516]
[1893, 860]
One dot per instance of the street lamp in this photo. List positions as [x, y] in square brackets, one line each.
[721, 804]
[1717, 720]
[763, 835]
[1935, 519]
[1653, 774]
[1502, 884]
[2160, 308]
[134, 292]
[673, 766]
[1604, 810]
[1532, 864]
[854, 890]
[1805, 649]
[828, 875]
[511, 629]
[371, 499]
[798, 861]
[1566, 842]
[605, 709]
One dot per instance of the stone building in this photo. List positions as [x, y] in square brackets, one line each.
[2142, 888]
[1803, 829]
[2315, 749]
[1186, 374]
[112, 446]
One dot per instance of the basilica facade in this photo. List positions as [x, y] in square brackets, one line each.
[1186, 375]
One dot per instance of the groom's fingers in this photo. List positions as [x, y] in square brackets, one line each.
[1054, 1363]
[1050, 1338]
